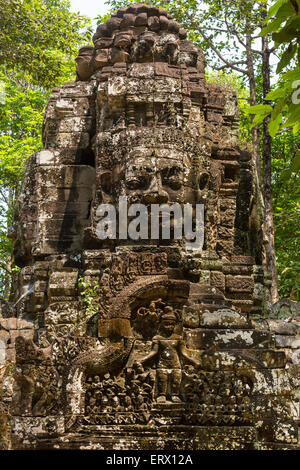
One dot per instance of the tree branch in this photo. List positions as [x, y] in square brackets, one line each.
[2, 266]
[218, 29]
[226, 62]
[231, 30]
[240, 62]
[4, 197]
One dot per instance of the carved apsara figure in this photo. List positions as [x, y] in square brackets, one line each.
[168, 350]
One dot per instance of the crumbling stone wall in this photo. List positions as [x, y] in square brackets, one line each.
[169, 348]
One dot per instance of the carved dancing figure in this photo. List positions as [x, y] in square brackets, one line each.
[168, 348]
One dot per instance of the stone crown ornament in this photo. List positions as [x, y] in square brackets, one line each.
[139, 33]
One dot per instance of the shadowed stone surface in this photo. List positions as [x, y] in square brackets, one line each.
[180, 349]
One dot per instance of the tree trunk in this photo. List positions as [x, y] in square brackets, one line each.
[253, 102]
[267, 176]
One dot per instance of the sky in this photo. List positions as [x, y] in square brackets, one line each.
[90, 8]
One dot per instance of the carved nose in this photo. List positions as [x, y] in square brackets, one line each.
[155, 194]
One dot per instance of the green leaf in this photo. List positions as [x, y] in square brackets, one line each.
[292, 75]
[274, 8]
[274, 125]
[261, 109]
[258, 119]
[275, 94]
[286, 57]
[285, 35]
[294, 115]
[293, 23]
[272, 26]
[278, 108]
[296, 163]
[286, 10]
[296, 128]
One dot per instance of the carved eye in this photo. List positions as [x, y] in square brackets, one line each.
[139, 182]
[172, 177]
[175, 183]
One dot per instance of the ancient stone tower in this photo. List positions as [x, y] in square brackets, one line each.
[169, 348]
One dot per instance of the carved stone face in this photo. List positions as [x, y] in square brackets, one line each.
[153, 178]
[83, 61]
[167, 49]
[156, 166]
[167, 326]
[150, 46]
[166, 174]
[149, 176]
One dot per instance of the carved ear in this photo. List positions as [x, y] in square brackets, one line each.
[106, 182]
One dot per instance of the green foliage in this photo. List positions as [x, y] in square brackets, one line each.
[38, 42]
[39, 38]
[286, 203]
[284, 25]
[285, 110]
[89, 296]
[21, 116]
